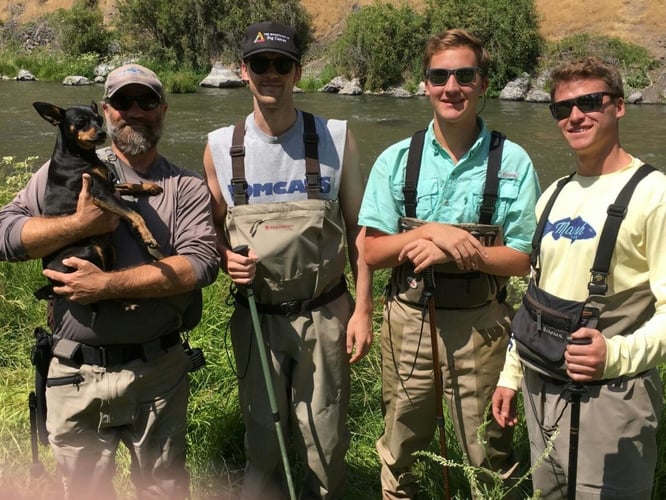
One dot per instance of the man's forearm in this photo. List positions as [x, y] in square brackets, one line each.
[170, 276]
[42, 236]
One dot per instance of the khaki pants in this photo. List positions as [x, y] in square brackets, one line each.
[471, 352]
[617, 448]
[310, 374]
[142, 404]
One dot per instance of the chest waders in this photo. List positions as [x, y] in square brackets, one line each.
[309, 226]
[544, 323]
[478, 289]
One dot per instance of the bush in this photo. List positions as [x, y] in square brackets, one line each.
[634, 60]
[81, 30]
[381, 45]
[192, 33]
[507, 28]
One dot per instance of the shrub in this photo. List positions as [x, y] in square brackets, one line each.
[634, 60]
[381, 45]
[507, 28]
[192, 33]
[81, 30]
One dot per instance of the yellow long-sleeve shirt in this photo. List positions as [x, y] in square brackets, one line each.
[568, 248]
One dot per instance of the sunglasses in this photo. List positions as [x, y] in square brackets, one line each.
[439, 76]
[147, 102]
[586, 103]
[259, 65]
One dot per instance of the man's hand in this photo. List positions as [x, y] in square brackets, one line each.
[504, 406]
[91, 218]
[359, 336]
[444, 243]
[240, 268]
[85, 285]
[586, 359]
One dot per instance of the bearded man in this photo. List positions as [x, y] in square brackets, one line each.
[120, 374]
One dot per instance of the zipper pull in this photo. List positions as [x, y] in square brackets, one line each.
[538, 320]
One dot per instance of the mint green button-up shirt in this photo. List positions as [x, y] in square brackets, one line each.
[453, 193]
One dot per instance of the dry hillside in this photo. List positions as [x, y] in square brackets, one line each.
[638, 21]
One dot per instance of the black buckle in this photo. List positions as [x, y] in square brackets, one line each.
[310, 138]
[488, 205]
[598, 284]
[290, 307]
[617, 210]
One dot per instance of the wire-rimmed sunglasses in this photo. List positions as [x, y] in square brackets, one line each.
[123, 102]
[439, 76]
[260, 65]
[586, 103]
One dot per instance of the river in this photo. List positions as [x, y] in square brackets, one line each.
[376, 121]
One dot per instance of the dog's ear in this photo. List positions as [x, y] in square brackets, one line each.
[50, 112]
[93, 106]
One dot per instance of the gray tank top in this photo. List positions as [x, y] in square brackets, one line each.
[275, 166]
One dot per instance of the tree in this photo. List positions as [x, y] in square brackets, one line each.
[380, 45]
[508, 29]
[193, 33]
[81, 30]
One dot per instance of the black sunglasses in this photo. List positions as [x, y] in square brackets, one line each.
[259, 65]
[586, 103]
[439, 76]
[123, 102]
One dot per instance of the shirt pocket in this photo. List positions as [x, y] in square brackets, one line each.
[428, 197]
[507, 193]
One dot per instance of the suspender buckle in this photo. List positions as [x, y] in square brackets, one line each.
[312, 181]
[310, 138]
[598, 284]
[488, 205]
[237, 150]
[615, 210]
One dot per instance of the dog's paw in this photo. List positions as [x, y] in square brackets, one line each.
[152, 189]
[154, 251]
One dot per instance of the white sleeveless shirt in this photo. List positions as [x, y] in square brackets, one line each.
[275, 166]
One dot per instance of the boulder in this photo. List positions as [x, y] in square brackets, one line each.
[516, 89]
[76, 80]
[401, 93]
[537, 95]
[335, 85]
[352, 88]
[25, 76]
[222, 78]
[635, 97]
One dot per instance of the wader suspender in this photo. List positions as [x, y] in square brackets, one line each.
[312, 168]
[492, 180]
[598, 284]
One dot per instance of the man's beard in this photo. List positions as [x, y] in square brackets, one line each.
[134, 139]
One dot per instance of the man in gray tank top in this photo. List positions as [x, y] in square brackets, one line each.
[288, 185]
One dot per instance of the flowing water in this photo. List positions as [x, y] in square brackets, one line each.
[376, 122]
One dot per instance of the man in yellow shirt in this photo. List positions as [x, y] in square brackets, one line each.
[613, 361]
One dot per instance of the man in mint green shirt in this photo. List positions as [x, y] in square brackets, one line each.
[472, 328]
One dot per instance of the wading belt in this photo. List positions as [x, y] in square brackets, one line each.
[296, 307]
[598, 284]
[114, 354]
[312, 168]
[492, 181]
